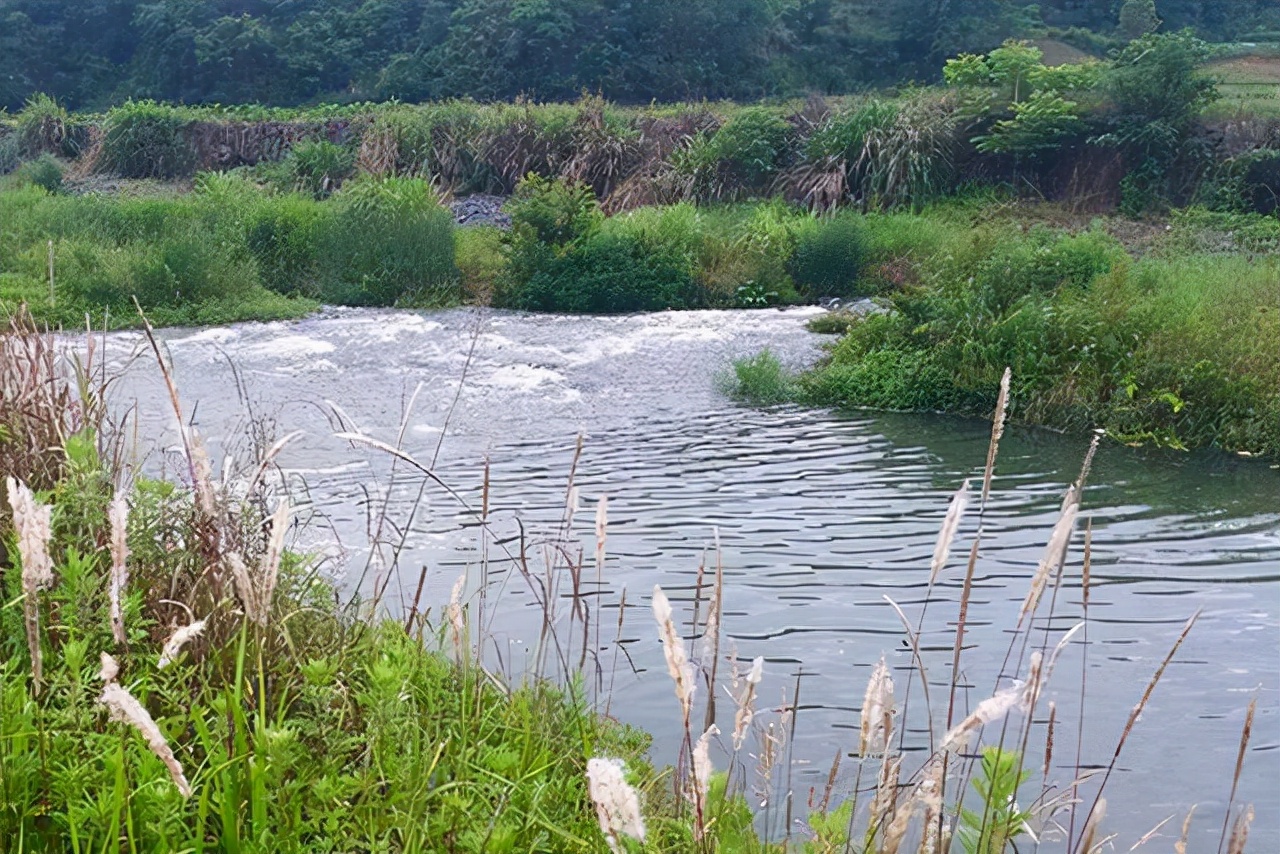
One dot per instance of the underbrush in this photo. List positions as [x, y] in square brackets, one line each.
[174, 677]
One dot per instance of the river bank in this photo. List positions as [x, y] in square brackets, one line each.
[817, 518]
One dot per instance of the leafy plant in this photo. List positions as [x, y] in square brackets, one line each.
[829, 257]
[44, 172]
[1000, 820]
[319, 167]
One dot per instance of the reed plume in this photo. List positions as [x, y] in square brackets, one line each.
[180, 638]
[616, 802]
[678, 665]
[32, 524]
[124, 708]
[876, 724]
[256, 593]
[745, 702]
[118, 514]
[951, 524]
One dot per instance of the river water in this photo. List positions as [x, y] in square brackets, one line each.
[819, 517]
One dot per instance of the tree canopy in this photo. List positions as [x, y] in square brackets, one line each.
[91, 53]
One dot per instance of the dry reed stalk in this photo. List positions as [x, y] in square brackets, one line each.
[1020, 695]
[1096, 814]
[934, 838]
[457, 622]
[886, 796]
[913, 638]
[678, 665]
[712, 632]
[616, 802]
[123, 707]
[1048, 740]
[256, 593]
[876, 725]
[118, 513]
[997, 431]
[31, 523]
[1180, 847]
[1135, 714]
[1055, 554]
[1235, 778]
[745, 701]
[950, 525]
[173, 646]
[1240, 831]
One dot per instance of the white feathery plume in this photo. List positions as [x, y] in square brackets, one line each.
[616, 802]
[746, 702]
[877, 712]
[173, 646]
[1019, 695]
[702, 778]
[32, 522]
[1054, 554]
[118, 513]
[678, 665]
[125, 708]
[951, 524]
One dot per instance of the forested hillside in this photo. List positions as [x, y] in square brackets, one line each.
[91, 53]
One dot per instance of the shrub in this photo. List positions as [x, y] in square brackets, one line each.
[389, 241]
[1040, 264]
[10, 153]
[481, 260]
[607, 273]
[284, 235]
[319, 167]
[761, 380]
[143, 139]
[829, 258]
[556, 212]
[752, 145]
[44, 172]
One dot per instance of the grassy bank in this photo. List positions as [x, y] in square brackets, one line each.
[1155, 332]
[174, 678]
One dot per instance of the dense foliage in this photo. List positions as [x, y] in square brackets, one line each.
[93, 52]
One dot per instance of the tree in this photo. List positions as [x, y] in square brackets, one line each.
[1137, 18]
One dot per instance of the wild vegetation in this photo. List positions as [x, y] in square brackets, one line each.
[230, 51]
[174, 677]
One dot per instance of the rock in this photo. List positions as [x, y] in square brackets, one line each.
[480, 210]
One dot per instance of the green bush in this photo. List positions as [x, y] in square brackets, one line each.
[556, 212]
[761, 380]
[10, 153]
[319, 167]
[829, 257]
[389, 241]
[752, 145]
[143, 139]
[1041, 263]
[607, 273]
[44, 172]
[284, 234]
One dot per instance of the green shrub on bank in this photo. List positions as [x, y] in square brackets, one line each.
[143, 139]
[606, 274]
[319, 167]
[389, 240]
[1176, 348]
[44, 172]
[761, 380]
[829, 257]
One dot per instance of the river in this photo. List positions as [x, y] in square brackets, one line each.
[819, 517]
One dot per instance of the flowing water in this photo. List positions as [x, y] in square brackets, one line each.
[820, 518]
